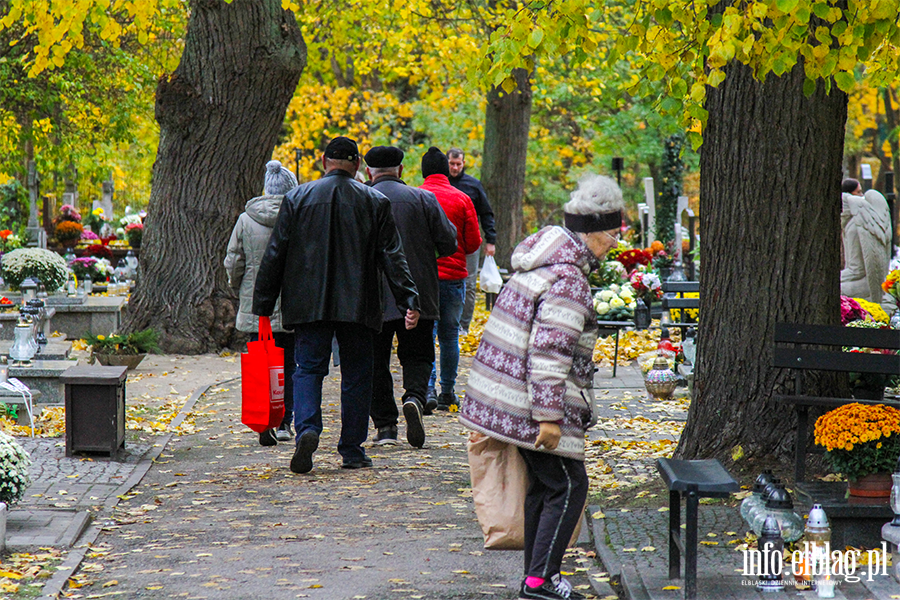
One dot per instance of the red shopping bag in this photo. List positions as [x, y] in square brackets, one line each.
[262, 381]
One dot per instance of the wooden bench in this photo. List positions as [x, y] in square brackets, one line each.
[693, 479]
[797, 355]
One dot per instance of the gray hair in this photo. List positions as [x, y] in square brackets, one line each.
[454, 152]
[377, 171]
[279, 181]
[595, 194]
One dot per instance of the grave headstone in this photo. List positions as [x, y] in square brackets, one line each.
[106, 202]
[642, 210]
[650, 196]
[37, 237]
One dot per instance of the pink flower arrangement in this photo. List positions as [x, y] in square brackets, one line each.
[89, 235]
[851, 311]
[67, 212]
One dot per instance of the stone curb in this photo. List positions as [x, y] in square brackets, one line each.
[627, 576]
[54, 586]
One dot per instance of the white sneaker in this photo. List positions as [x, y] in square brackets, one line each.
[283, 433]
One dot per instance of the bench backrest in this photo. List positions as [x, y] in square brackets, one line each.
[836, 359]
[668, 303]
[681, 287]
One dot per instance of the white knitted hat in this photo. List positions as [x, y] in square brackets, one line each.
[279, 181]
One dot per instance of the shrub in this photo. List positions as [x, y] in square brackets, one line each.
[44, 265]
[139, 342]
[14, 463]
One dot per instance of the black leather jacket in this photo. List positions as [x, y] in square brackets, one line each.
[329, 241]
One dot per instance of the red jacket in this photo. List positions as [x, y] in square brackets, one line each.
[461, 212]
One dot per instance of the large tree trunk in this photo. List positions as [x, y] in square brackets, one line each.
[769, 219]
[506, 124]
[219, 113]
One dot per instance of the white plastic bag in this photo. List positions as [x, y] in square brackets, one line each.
[490, 281]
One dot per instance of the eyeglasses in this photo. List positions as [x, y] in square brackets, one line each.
[614, 238]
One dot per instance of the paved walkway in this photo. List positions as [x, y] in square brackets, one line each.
[218, 516]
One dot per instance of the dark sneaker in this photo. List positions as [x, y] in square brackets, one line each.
[555, 588]
[431, 402]
[267, 438]
[362, 463]
[415, 430]
[564, 587]
[284, 433]
[546, 592]
[445, 401]
[387, 436]
[306, 446]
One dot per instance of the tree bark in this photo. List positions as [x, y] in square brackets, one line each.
[506, 124]
[769, 219]
[220, 113]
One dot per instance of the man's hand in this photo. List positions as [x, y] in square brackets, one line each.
[548, 436]
[489, 249]
[412, 318]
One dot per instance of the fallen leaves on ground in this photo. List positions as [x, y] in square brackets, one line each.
[631, 345]
[24, 569]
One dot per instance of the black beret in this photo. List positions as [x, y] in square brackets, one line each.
[435, 162]
[342, 148]
[384, 157]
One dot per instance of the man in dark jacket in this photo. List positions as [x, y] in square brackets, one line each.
[426, 233]
[472, 188]
[330, 239]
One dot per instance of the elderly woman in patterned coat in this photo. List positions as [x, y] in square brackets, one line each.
[531, 384]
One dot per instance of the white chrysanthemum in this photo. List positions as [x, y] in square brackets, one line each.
[45, 265]
[616, 303]
[606, 295]
[615, 288]
[602, 308]
[14, 463]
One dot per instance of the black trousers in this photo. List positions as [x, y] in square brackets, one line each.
[554, 502]
[415, 349]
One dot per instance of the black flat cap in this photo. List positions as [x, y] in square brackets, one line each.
[342, 148]
[384, 157]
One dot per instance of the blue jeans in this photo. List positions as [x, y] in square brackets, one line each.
[312, 350]
[452, 298]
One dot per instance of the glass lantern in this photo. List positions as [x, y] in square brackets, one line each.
[29, 289]
[895, 499]
[23, 347]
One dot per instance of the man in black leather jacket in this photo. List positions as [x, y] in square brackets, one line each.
[332, 240]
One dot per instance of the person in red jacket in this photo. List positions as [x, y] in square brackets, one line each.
[452, 273]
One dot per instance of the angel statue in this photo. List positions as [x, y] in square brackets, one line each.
[866, 223]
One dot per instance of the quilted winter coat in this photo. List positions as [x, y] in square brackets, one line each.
[535, 361]
[245, 251]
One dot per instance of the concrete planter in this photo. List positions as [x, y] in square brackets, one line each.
[119, 360]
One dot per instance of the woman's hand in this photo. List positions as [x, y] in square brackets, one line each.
[548, 436]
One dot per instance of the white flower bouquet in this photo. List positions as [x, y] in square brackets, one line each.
[615, 303]
[45, 265]
[14, 463]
